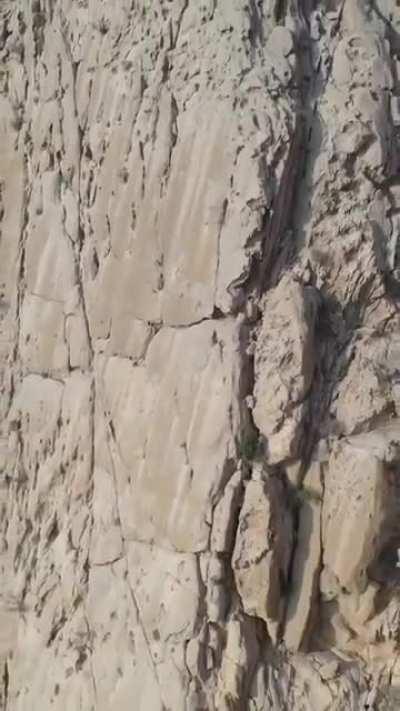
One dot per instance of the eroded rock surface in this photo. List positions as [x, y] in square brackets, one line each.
[199, 355]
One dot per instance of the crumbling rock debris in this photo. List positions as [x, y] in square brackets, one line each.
[199, 355]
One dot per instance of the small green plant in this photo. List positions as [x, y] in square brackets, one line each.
[249, 446]
[62, 182]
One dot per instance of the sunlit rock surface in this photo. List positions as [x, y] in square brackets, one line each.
[199, 355]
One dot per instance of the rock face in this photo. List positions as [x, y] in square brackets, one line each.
[199, 355]
[284, 367]
[262, 550]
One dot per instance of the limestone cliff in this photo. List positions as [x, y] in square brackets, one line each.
[199, 355]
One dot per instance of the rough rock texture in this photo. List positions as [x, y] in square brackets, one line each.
[199, 355]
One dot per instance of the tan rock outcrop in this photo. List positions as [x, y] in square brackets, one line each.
[284, 367]
[302, 598]
[262, 552]
[354, 518]
[199, 355]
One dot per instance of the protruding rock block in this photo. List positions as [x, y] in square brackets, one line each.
[262, 552]
[284, 366]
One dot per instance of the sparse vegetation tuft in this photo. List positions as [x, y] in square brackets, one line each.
[249, 446]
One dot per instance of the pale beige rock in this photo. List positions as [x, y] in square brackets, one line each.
[43, 345]
[364, 394]
[304, 575]
[353, 511]
[284, 367]
[225, 512]
[118, 634]
[164, 461]
[199, 285]
[241, 655]
[261, 554]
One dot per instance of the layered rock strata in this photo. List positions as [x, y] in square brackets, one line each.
[200, 354]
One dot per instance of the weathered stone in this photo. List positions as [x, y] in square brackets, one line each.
[262, 552]
[239, 662]
[304, 575]
[199, 283]
[284, 366]
[164, 458]
[353, 511]
[225, 515]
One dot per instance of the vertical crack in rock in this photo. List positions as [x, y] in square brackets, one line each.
[6, 682]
